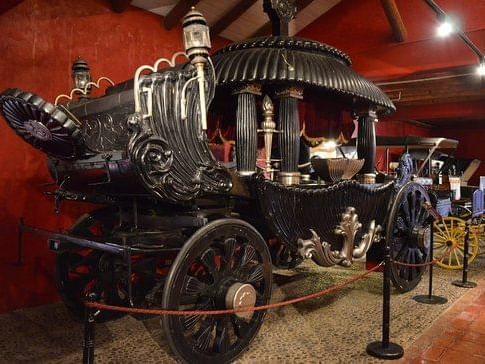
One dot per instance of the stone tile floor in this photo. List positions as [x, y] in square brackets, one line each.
[457, 336]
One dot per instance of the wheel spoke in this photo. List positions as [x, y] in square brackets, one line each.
[203, 336]
[222, 340]
[412, 260]
[229, 249]
[241, 327]
[405, 209]
[193, 287]
[448, 234]
[208, 260]
[423, 213]
[248, 255]
[190, 321]
[255, 274]
[413, 207]
[438, 247]
[456, 257]
[443, 233]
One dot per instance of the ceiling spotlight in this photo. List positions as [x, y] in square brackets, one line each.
[445, 29]
[481, 68]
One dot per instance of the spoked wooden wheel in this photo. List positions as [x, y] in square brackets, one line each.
[81, 271]
[449, 242]
[408, 236]
[225, 264]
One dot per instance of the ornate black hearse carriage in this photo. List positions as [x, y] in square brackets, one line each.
[181, 230]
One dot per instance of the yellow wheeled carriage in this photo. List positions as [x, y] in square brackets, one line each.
[450, 233]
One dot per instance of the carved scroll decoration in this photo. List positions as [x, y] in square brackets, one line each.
[321, 252]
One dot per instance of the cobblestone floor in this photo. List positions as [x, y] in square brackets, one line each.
[332, 329]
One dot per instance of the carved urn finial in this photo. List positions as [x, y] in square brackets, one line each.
[280, 13]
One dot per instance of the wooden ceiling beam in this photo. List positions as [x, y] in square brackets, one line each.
[232, 15]
[118, 6]
[399, 31]
[178, 11]
[266, 28]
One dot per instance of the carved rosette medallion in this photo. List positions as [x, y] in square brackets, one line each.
[285, 9]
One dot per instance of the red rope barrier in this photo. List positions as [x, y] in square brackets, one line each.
[101, 306]
[434, 261]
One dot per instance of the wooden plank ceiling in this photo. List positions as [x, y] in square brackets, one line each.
[458, 84]
[235, 19]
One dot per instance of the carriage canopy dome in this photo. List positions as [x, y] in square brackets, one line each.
[293, 61]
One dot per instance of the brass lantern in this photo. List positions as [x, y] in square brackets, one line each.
[196, 34]
[81, 75]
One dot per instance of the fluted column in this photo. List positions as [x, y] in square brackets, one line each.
[366, 145]
[246, 129]
[289, 136]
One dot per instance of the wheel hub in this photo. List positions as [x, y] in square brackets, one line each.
[423, 235]
[38, 130]
[241, 295]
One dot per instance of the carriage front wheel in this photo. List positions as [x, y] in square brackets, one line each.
[409, 235]
[225, 264]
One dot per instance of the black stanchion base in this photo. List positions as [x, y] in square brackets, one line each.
[462, 284]
[430, 300]
[391, 352]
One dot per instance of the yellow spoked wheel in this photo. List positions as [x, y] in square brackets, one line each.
[449, 241]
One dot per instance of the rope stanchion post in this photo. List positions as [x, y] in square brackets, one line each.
[89, 324]
[465, 283]
[386, 349]
[431, 299]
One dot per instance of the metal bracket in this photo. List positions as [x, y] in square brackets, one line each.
[322, 253]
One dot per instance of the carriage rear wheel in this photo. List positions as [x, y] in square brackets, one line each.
[408, 235]
[81, 271]
[225, 264]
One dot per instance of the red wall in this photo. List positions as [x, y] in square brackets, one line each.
[40, 40]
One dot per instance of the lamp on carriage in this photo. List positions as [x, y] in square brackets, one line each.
[197, 45]
[81, 75]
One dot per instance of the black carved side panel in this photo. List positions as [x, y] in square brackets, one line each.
[246, 133]
[366, 143]
[108, 130]
[289, 137]
[292, 211]
[171, 153]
